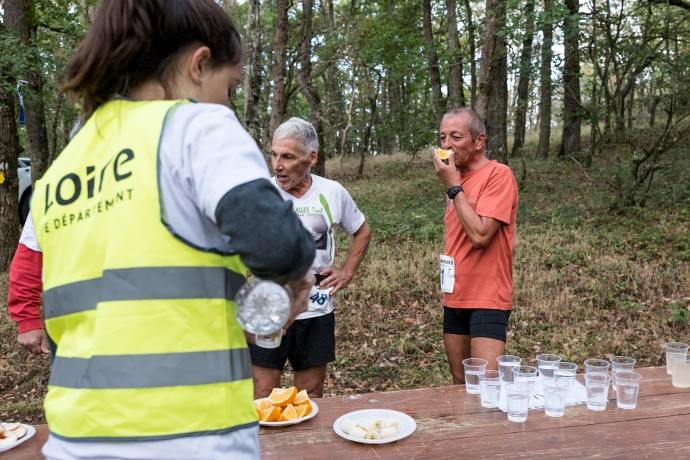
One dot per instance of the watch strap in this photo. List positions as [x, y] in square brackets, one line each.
[454, 190]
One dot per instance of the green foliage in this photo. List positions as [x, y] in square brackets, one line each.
[678, 314]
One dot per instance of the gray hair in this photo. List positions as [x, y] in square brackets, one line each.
[475, 125]
[300, 130]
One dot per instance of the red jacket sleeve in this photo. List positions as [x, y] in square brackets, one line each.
[26, 285]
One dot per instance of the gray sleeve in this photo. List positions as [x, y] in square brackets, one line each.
[265, 232]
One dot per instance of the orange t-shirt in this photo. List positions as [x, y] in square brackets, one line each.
[484, 277]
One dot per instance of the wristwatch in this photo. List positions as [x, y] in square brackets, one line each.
[454, 190]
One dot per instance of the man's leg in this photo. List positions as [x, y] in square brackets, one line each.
[457, 348]
[265, 380]
[311, 379]
[488, 349]
[314, 349]
[488, 329]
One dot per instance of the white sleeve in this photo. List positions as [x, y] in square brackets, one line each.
[351, 217]
[28, 237]
[217, 154]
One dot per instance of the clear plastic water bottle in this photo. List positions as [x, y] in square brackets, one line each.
[263, 307]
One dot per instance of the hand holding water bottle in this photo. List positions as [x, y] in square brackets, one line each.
[266, 309]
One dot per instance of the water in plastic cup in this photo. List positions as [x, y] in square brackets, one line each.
[596, 366]
[627, 389]
[555, 394]
[270, 340]
[597, 391]
[490, 388]
[517, 401]
[681, 374]
[474, 368]
[506, 363]
[526, 375]
[675, 352]
[621, 363]
[546, 363]
[565, 371]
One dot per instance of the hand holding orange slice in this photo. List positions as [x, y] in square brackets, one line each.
[443, 154]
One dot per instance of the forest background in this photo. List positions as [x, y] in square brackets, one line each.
[587, 102]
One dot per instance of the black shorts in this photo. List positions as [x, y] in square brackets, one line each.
[308, 342]
[476, 322]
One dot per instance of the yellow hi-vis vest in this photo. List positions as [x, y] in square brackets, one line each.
[147, 343]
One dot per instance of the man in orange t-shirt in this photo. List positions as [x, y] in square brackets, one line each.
[477, 264]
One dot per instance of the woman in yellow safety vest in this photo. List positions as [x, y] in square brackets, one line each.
[148, 222]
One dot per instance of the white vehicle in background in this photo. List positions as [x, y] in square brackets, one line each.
[24, 173]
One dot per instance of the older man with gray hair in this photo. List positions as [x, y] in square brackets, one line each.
[321, 204]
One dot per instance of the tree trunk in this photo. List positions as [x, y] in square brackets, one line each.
[9, 152]
[494, 9]
[572, 108]
[455, 91]
[332, 99]
[497, 110]
[366, 141]
[19, 16]
[278, 102]
[523, 81]
[472, 54]
[594, 107]
[432, 60]
[304, 78]
[545, 80]
[252, 75]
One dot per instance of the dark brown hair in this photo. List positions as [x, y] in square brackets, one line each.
[132, 41]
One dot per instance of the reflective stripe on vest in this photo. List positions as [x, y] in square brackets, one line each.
[142, 283]
[147, 343]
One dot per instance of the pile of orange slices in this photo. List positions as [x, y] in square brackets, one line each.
[284, 404]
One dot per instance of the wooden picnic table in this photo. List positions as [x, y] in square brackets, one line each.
[452, 424]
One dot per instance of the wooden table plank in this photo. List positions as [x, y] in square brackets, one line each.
[452, 424]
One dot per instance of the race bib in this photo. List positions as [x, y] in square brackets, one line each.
[319, 299]
[447, 274]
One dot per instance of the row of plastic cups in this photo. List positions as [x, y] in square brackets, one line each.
[624, 380]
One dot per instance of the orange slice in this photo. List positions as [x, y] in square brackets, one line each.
[263, 404]
[282, 397]
[301, 398]
[303, 409]
[443, 154]
[289, 413]
[272, 414]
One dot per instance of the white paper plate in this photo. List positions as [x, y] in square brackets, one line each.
[406, 423]
[30, 431]
[314, 411]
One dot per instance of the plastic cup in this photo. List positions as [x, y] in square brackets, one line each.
[676, 352]
[271, 340]
[490, 388]
[526, 375]
[565, 371]
[555, 394]
[681, 374]
[627, 389]
[474, 368]
[597, 366]
[546, 363]
[597, 390]
[506, 363]
[517, 401]
[621, 363]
